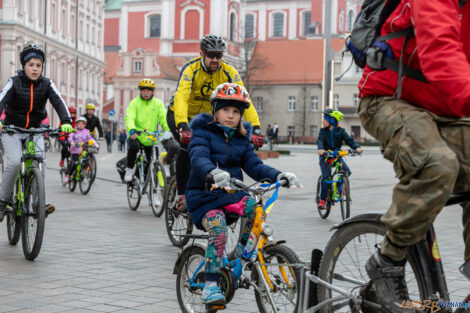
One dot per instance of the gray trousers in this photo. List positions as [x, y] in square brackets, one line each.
[13, 152]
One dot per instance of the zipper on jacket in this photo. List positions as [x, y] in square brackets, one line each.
[30, 106]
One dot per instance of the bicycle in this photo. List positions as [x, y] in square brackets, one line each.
[84, 172]
[340, 277]
[273, 288]
[338, 185]
[25, 211]
[154, 185]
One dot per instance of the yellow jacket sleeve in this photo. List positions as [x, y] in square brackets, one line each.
[180, 107]
[250, 114]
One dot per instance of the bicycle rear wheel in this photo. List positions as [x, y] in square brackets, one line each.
[343, 265]
[14, 220]
[86, 177]
[177, 222]
[284, 279]
[345, 198]
[34, 213]
[73, 181]
[323, 212]
[133, 194]
[157, 189]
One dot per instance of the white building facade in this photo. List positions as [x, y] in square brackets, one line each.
[70, 31]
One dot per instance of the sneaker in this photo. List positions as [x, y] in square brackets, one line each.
[181, 207]
[322, 204]
[212, 295]
[61, 163]
[3, 208]
[465, 269]
[389, 280]
[66, 179]
[128, 175]
[50, 208]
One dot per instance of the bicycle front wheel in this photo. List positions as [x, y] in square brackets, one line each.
[177, 222]
[86, 177]
[345, 198]
[343, 265]
[94, 165]
[133, 194]
[157, 189]
[285, 280]
[34, 213]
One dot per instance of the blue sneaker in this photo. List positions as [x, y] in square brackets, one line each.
[212, 295]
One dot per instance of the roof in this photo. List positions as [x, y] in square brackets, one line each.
[287, 62]
[113, 61]
[169, 67]
[113, 4]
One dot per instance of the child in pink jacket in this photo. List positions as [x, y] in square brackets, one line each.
[82, 136]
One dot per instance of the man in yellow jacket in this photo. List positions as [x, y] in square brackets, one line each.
[145, 112]
[198, 78]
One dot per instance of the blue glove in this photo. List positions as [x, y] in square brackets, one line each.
[131, 132]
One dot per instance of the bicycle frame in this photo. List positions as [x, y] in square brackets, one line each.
[140, 161]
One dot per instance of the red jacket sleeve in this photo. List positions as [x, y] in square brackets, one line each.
[441, 52]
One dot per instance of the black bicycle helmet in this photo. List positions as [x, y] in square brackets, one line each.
[32, 48]
[213, 43]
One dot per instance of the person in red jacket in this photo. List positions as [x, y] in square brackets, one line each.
[423, 133]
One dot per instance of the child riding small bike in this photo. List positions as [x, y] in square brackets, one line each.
[331, 137]
[219, 150]
[76, 140]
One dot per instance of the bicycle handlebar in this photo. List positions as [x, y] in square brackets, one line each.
[341, 153]
[35, 131]
[238, 185]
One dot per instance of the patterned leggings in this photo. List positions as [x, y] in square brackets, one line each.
[215, 224]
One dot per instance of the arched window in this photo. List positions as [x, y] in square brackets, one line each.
[155, 25]
[191, 25]
[278, 25]
[349, 21]
[249, 26]
[233, 27]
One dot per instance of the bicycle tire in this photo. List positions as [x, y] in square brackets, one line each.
[94, 164]
[157, 190]
[133, 191]
[34, 212]
[281, 254]
[73, 182]
[324, 213]
[87, 173]
[173, 218]
[47, 144]
[14, 220]
[345, 198]
[1, 168]
[372, 234]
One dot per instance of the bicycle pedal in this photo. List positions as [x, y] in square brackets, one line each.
[212, 307]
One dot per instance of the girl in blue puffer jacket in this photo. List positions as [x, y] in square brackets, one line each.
[219, 150]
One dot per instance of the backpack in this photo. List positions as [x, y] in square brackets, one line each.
[368, 47]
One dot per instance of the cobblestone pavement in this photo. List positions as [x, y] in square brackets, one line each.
[99, 256]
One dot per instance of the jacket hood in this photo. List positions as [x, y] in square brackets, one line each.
[204, 121]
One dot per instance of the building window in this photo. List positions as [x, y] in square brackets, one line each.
[278, 25]
[314, 101]
[20, 7]
[249, 26]
[63, 17]
[233, 27]
[291, 104]
[138, 66]
[341, 21]
[30, 10]
[349, 21]
[87, 32]
[290, 130]
[53, 17]
[258, 103]
[356, 99]
[81, 30]
[40, 8]
[314, 130]
[155, 25]
[307, 20]
[336, 101]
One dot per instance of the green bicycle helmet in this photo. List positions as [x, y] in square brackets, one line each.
[337, 115]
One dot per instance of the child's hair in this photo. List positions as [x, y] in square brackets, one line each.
[241, 130]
